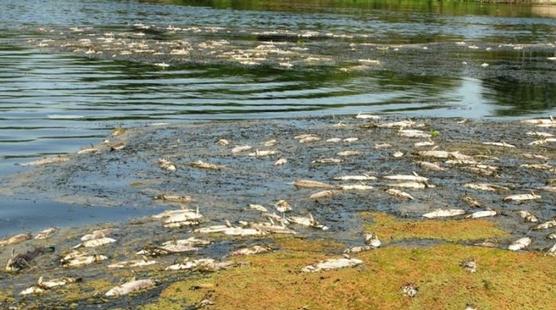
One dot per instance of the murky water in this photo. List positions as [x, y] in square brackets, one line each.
[56, 97]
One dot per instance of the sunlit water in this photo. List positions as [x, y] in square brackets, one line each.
[56, 102]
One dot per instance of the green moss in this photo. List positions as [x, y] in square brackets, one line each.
[503, 280]
[389, 228]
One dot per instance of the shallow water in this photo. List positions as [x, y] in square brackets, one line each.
[55, 100]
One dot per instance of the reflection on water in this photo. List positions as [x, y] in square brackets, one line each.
[53, 102]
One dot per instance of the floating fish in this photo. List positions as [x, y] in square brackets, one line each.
[444, 213]
[397, 154]
[480, 214]
[356, 187]
[423, 144]
[545, 225]
[367, 116]
[131, 287]
[280, 162]
[202, 264]
[132, 263]
[270, 143]
[96, 234]
[312, 184]
[332, 263]
[89, 150]
[282, 206]
[222, 142]
[414, 133]
[262, 153]
[230, 231]
[399, 194]
[382, 146]
[404, 177]
[15, 239]
[472, 202]
[416, 185]
[355, 178]
[257, 207]
[181, 199]
[95, 242]
[486, 187]
[241, 148]
[351, 140]
[307, 221]
[528, 216]
[501, 144]
[82, 259]
[327, 161]
[46, 161]
[520, 244]
[204, 165]
[522, 197]
[167, 165]
[324, 194]
[44, 234]
[349, 153]
[551, 251]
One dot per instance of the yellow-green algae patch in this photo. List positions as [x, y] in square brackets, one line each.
[390, 228]
[503, 280]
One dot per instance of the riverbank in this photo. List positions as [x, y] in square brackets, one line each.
[343, 177]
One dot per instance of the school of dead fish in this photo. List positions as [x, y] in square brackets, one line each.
[278, 223]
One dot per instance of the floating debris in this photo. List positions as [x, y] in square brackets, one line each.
[399, 194]
[256, 249]
[167, 165]
[204, 165]
[131, 287]
[15, 239]
[312, 184]
[522, 197]
[22, 261]
[132, 263]
[444, 213]
[528, 216]
[332, 263]
[46, 233]
[520, 244]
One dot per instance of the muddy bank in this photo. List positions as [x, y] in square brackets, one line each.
[386, 166]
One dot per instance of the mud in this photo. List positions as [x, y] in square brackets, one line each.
[131, 176]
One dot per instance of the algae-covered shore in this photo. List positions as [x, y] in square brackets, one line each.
[344, 179]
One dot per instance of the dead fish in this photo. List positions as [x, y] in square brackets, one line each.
[327, 161]
[520, 244]
[528, 216]
[430, 166]
[472, 202]
[256, 249]
[355, 178]
[230, 231]
[82, 259]
[349, 153]
[118, 131]
[551, 236]
[170, 247]
[333, 140]
[416, 185]
[402, 177]
[399, 194]
[312, 184]
[117, 146]
[222, 142]
[241, 148]
[356, 187]
[351, 140]
[445, 155]
[257, 207]
[43, 234]
[46, 161]
[332, 263]
[307, 221]
[539, 134]
[96, 234]
[166, 165]
[414, 133]
[131, 287]
[535, 156]
[56, 282]
[88, 150]
[469, 265]
[22, 261]
[444, 213]
[269, 143]
[272, 228]
[400, 124]
[536, 166]
[486, 187]
[423, 144]
[410, 290]
[545, 225]
[262, 153]
[382, 146]
[324, 194]
[480, 214]
[543, 141]
[181, 199]
[202, 264]
[548, 188]
[32, 290]
[132, 263]
[539, 121]
[281, 161]
[185, 217]
[309, 139]
[204, 165]
[15, 239]
[371, 239]
[95, 242]
[397, 154]
[522, 197]
[282, 206]
[367, 116]
[501, 144]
